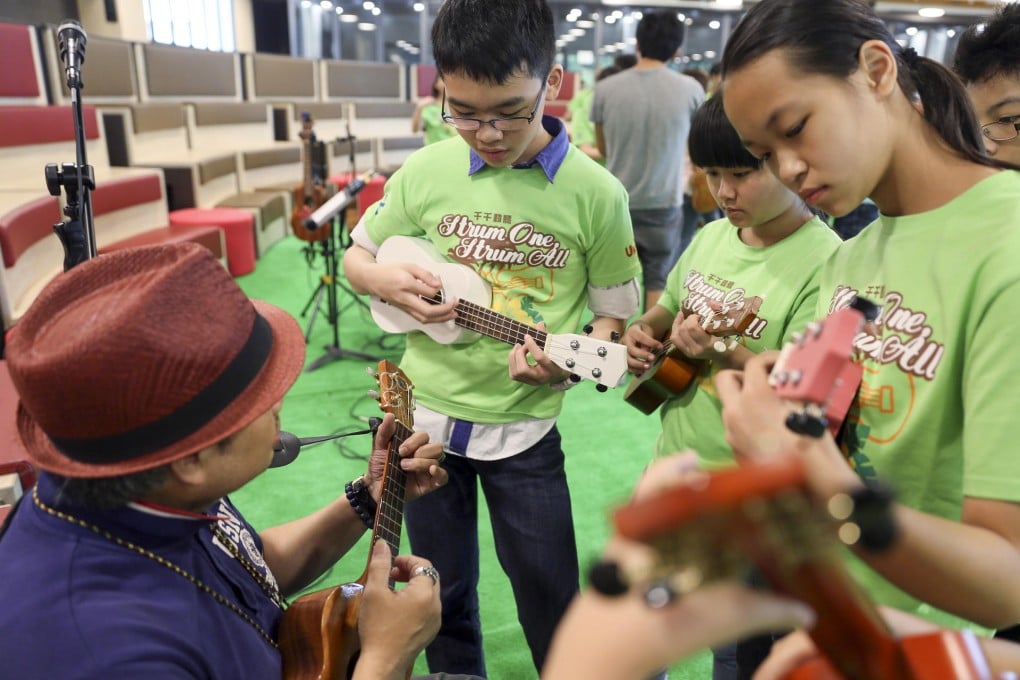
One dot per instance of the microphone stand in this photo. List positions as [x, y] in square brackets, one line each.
[77, 233]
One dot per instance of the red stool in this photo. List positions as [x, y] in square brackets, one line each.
[372, 192]
[238, 230]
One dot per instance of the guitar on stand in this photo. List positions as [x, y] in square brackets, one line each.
[319, 217]
[319, 631]
[312, 192]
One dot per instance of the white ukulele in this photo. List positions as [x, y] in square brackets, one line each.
[601, 361]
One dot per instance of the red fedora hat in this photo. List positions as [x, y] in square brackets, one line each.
[137, 358]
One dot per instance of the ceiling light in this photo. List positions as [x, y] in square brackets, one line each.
[348, 18]
[326, 5]
[419, 7]
[585, 23]
[932, 12]
[714, 24]
[366, 26]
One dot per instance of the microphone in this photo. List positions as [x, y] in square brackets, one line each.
[341, 200]
[287, 446]
[71, 41]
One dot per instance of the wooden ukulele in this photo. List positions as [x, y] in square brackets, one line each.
[672, 372]
[762, 514]
[585, 357]
[310, 194]
[319, 631]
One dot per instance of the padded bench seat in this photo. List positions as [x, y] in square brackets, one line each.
[209, 236]
[272, 221]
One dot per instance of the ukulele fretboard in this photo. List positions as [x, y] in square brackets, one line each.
[495, 325]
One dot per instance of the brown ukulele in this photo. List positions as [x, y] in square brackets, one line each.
[310, 194]
[672, 372]
[762, 514]
[319, 631]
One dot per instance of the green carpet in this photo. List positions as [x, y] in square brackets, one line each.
[607, 443]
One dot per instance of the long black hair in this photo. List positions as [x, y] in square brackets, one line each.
[825, 37]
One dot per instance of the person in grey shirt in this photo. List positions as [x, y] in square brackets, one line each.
[642, 116]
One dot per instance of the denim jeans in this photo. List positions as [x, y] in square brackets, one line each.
[529, 507]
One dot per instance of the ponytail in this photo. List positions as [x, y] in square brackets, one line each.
[945, 104]
[825, 37]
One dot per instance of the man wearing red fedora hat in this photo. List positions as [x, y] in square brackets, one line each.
[150, 388]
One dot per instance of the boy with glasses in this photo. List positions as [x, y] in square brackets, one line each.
[548, 229]
[988, 61]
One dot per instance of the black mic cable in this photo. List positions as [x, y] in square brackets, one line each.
[288, 445]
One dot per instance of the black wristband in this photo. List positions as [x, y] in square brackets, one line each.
[361, 500]
[867, 516]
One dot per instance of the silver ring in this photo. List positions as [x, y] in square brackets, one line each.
[431, 572]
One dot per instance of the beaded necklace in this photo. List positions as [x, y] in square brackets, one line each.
[270, 589]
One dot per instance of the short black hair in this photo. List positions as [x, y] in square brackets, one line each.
[713, 143]
[992, 52]
[625, 61]
[491, 40]
[715, 69]
[659, 35]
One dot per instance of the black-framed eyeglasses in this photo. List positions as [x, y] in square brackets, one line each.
[1003, 129]
[509, 124]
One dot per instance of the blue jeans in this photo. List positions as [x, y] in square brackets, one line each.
[660, 236]
[533, 528]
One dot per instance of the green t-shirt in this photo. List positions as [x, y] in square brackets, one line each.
[719, 266]
[433, 126]
[582, 130]
[947, 281]
[539, 244]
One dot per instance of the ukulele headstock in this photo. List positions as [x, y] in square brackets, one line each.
[588, 358]
[732, 319]
[817, 368]
[396, 393]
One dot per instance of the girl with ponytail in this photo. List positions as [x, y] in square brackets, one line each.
[821, 91]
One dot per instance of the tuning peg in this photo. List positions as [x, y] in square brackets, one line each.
[660, 594]
[373, 394]
[601, 388]
[806, 424]
[866, 307]
[605, 577]
[614, 336]
[574, 378]
[372, 372]
[588, 329]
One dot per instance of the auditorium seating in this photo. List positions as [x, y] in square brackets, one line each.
[224, 136]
